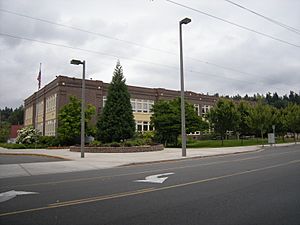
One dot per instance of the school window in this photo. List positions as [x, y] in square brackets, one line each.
[196, 108]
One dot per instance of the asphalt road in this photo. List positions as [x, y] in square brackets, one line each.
[17, 159]
[253, 188]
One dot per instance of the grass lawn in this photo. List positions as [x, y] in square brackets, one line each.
[21, 146]
[229, 143]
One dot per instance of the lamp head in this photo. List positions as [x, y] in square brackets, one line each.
[185, 21]
[76, 62]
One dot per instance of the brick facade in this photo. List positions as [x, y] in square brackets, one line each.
[41, 108]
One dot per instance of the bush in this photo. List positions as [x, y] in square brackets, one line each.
[115, 144]
[134, 142]
[95, 143]
[148, 137]
[12, 146]
[27, 135]
[4, 131]
[49, 141]
[21, 146]
[127, 144]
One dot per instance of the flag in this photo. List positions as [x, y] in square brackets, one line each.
[39, 78]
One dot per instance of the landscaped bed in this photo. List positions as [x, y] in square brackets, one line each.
[143, 148]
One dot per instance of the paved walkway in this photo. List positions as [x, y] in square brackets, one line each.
[94, 161]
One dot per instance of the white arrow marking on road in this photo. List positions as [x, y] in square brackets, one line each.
[5, 196]
[158, 178]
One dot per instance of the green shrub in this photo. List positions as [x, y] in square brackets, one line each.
[135, 142]
[96, 143]
[127, 144]
[21, 146]
[12, 146]
[49, 141]
[27, 135]
[115, 144]
[148, 137]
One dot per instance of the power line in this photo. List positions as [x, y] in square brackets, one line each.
[83, 30]
[234, 24]
[126, 58]
[290, 28]
[115, 56]
[124, 41]
[84, 50]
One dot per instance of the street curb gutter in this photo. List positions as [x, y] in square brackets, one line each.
[191, 158]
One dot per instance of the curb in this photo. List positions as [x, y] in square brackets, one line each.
[192, 158]
[36, 154]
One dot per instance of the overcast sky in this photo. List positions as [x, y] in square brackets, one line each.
[143, 34]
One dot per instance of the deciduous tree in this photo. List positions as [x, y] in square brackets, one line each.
[166, 120]
[224, 117]
[243, 109]
[69, 121]
[260, 118]
[292, 119]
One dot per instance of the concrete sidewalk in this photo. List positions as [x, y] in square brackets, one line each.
[94, 161]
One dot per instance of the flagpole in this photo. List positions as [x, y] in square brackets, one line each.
[39, 78]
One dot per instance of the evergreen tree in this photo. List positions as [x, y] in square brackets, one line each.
[17, 116]
[116, 122]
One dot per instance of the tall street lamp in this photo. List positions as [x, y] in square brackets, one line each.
[78, 62]
[183, 133]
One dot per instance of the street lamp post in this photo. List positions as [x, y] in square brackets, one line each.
[183, 132]
[78, 62]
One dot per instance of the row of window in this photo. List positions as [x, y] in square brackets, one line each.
[142, 126]
[138, 105]
[145, 106]
[39, 127]
[51, 103]
[40, 108]
[50, 128]
[204, 109]
[28, 116]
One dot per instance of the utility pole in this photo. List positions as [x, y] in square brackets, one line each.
[183, 130]
[78, 62]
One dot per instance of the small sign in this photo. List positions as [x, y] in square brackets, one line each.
[271, 138]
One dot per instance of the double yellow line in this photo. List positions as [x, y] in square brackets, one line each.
[143, 191]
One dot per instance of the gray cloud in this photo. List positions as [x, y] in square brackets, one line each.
[268, 65]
